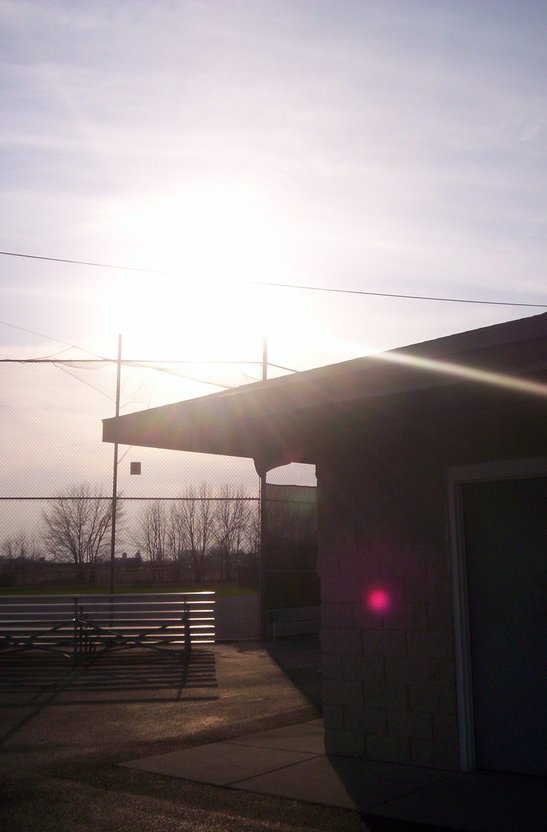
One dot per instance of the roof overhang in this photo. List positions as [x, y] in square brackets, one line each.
[275, 422]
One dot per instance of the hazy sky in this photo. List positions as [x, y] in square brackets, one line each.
[374, 145]
[363, 144]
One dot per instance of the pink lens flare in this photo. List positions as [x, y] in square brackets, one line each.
[378, 600]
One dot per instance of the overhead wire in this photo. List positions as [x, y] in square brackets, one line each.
[144, 364]
[52, 338]
[403, 296]
[100, 359]
[301, 287]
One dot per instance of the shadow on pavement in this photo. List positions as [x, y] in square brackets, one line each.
[121, 675]
[299, 657]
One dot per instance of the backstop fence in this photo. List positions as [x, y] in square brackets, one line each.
[185, 517]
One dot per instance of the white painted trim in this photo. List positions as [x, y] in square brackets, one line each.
[457, 478]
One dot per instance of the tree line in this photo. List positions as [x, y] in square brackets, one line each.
[198, 525]
[76, 527]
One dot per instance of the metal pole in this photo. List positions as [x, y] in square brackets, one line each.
[263, 525]
[264, 359]
[115, 471]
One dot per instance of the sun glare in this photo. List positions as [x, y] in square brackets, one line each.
[207, 243]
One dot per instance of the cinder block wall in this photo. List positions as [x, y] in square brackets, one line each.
[389, 683]
[389, 676]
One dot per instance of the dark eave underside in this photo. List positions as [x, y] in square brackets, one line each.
[281, 419]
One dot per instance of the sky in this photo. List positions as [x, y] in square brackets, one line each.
[391, 146]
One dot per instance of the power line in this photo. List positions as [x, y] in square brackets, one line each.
[144, 364]
[64, 364]
[88, 263]
[300, 287]
[51, 338]
[403, 297]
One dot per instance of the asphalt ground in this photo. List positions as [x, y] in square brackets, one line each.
[63, 733]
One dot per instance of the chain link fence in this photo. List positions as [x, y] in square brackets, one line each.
[185, 517]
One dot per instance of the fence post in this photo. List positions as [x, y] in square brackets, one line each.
[115, 471]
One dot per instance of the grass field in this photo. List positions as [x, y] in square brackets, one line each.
[222, 590]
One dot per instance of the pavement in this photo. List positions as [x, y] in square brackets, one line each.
[290, 762]
[65, 731]
[230, 743]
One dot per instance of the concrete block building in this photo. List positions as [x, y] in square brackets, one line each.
[432, 524]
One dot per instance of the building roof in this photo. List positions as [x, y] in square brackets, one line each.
[272, 421]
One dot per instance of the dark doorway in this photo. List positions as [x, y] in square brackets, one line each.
[505, 526]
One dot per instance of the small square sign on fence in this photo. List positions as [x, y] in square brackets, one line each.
[134, 467]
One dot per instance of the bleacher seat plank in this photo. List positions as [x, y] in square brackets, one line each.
[80, 626]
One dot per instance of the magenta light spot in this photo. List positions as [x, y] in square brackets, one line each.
[378, 600]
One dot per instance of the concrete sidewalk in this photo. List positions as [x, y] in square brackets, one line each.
[290, 762]
[85, 749]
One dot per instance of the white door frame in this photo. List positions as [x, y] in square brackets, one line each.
[457, 478]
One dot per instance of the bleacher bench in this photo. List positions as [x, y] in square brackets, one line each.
[85, 626]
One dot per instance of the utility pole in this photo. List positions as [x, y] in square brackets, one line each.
[263, 524]
[115, 471]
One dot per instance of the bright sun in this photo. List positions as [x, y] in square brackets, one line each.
[212, 240]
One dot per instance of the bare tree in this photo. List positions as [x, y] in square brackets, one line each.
[177, 537]
[193, 519]
[251, 535]
[19, 556]
[232, 517]
[152, 531]
[77, 527]
[20, 547]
